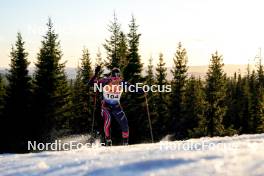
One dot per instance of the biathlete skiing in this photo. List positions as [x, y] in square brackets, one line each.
[110, 103]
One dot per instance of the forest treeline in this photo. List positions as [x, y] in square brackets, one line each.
[48, 105]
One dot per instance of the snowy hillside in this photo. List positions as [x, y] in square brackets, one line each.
[239, 155]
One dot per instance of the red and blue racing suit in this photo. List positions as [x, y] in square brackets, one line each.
[111, 107]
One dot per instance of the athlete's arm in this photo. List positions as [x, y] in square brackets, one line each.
[94, 78]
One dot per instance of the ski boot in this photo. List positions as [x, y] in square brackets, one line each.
[125, 141]
[108, 142]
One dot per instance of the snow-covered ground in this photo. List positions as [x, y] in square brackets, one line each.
[238, 155]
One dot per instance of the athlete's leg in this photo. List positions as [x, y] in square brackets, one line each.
[107, 122]
[120, 116]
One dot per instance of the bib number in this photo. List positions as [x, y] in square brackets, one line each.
[112, 96]
[112, 92]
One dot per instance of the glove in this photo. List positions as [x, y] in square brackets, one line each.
[97, 69]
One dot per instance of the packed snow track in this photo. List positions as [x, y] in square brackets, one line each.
[239, 155]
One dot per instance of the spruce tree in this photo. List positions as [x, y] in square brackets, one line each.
[99, 61]
[246, 99]
[111, 45]
[2, 122]
[122, 51]
[2, 93]
[86, 67]
[82, 96]
[194, 107]
[238, 103]
[150, 80]
[254, 102]
[77, 89]
[215, 93]
[260, 73]
[178, 90]
[258, 101]
[135, 102]
[234, 102]
[17, 99]
[132, 72]
[51, 92]
[161, 99]
[63, 110]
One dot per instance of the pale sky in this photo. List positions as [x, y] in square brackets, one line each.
[233, 27]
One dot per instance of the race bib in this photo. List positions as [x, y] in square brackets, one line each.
[112, 92]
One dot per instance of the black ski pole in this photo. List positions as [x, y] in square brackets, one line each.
[97, 69]
[94, 109]
[149, 120]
